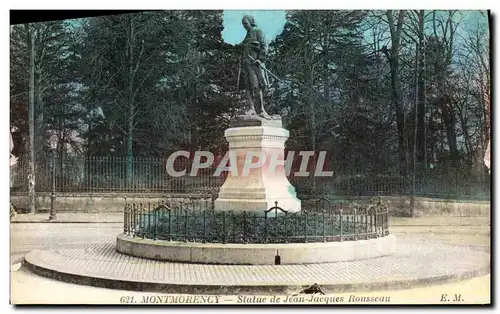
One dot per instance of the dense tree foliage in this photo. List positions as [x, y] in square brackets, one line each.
[383, 92]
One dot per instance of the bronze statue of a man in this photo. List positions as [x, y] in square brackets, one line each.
[252, 75]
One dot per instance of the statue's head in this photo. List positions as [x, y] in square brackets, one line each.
[248, 22]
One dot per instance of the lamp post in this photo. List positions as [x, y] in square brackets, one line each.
[53, 146]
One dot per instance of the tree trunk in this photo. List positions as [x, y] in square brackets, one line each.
[415, 139]
[130, 100]
[393, 59]
[449, 122]
[312, 127]
[61, 137]
[398, 104]
[313, 142]
[312, 112]
[421, 92]
[448, 104]
[465, 130]
[39, 123]
[31, 117]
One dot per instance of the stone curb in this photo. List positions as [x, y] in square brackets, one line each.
[263, 289]
[256, 254]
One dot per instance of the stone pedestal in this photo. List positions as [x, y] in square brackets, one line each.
[258, 188]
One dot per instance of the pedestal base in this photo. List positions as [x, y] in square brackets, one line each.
[248, 200]
[260, 187]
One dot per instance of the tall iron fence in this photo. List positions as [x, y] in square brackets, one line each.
[90, 174]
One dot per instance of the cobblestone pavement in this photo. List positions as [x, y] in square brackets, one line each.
[413, 262]
[27, 237]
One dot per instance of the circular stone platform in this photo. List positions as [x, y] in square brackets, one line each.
[414, 263]
[256, 254]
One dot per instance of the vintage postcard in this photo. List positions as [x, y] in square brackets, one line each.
[337, 157]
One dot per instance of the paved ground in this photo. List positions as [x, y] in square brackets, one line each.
[70, 218]
[414, 263]
[25, 237]
[473, 232]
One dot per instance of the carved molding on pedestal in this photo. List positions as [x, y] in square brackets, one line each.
[263, 187]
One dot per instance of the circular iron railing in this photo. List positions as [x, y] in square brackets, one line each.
[199, 222]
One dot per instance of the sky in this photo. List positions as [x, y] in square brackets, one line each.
[273, 21]
[270, 21]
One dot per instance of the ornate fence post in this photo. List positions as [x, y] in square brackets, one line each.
[170, 225]
[204, 226]
[265, 226]
[193, 224]
[366, 221]
[324, 229]
[340, 222]
[133, 220]
[245, 238]
[125, 222]
[149, 219]
[305, 226]
[286, 229]
[276, 210]
[315, 221]
[178, 215]
[372, 219]
[213, 196]
[157, 222]
[141, 219]
[276, 226]
[185, 211]
[234, 227]
[354, 224]
[223, 227]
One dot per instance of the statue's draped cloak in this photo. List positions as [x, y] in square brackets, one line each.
[252, 75]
